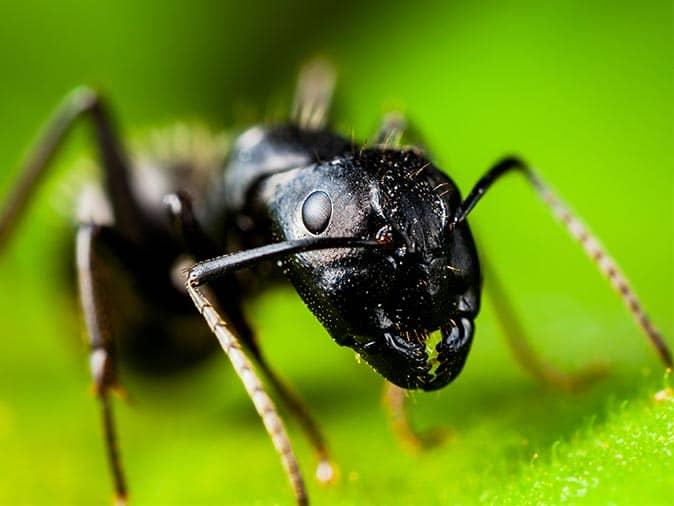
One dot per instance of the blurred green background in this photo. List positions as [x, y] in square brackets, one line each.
[583, 90]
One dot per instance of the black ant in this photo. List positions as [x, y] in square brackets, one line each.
[374, 237]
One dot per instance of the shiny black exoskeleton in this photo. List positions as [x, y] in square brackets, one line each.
[408, 309]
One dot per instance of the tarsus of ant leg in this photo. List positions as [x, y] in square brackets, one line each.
[262, 402]
[101, 366]
[113, 449]
[578, 231]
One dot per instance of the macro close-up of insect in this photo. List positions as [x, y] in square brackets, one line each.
[353, 253]
[373, 236]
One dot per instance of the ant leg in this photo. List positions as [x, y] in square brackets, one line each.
[81, 102]
[578, 231]
[209, 270]
[395, 402]
[391, 130]
[102, 363]
[522, 350]
[187, 227]
[200, 246]
[326, 471]
[226, 291]
[261, 400]
[395, 132]
[313, 95]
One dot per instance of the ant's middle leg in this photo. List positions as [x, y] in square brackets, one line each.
[522, 350]
[396, 402]
[227, 294]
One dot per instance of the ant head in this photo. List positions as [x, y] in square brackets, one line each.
[406, 307]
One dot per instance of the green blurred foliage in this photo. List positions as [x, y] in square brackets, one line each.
[584, 90]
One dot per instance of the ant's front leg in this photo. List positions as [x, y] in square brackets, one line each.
[210, 270]
[396, 402]
[231, 345]
[102, 353]
[227, 295]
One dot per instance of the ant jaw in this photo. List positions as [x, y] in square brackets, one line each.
[451, 353]
[419, 360]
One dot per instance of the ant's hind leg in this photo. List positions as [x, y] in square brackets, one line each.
[102, 363]
[80, 103]
[395, 401]
[524, 353]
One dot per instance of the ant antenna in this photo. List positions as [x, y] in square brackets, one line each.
[574, 225]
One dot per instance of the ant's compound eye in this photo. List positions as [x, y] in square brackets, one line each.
[316, 212]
